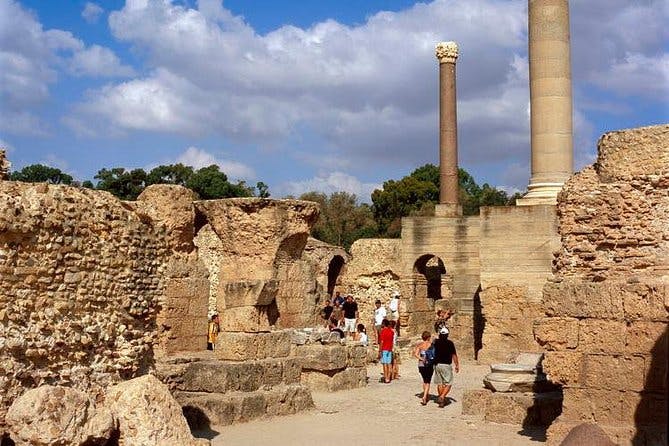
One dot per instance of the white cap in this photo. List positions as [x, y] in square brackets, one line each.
[396, 293]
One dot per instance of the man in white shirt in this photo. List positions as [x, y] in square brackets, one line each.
[380, 314]
[394, 306]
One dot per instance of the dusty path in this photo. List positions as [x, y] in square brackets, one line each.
[381, 414]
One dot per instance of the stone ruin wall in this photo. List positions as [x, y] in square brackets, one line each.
[371, 274]
[84, 277]
[4, 165]
[607, 309]
[516, 251]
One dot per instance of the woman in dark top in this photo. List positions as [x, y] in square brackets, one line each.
[425, 367]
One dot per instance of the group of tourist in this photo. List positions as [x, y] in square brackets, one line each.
[341, 315]
[437, 358]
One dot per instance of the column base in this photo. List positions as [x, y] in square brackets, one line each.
[447, 210]
[540, 193]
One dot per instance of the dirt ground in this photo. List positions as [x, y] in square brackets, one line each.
[381, 414]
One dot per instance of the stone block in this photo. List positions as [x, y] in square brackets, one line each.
[474, 402]
[593, 405]
[556, 333]
[565, 368]
[246, 293]
[572, 298]
[647, 337]
[614, 372]
[288, 400]
[526, 409]
[244, 346]
[351, 378]
[356, 356]
[645, 302]
[601, 336]
[329, 381]
[322, 357]
[245, 319]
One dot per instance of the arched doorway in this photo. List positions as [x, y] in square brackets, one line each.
[431, 268]
[334, 268]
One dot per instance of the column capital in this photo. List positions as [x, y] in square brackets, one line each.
[447, 52]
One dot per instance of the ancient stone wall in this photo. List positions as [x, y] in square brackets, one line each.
[255, 257]
[371, 274]
[607, 309]
[455, 243]
[517, 245]
[81, 286]
[4, 165]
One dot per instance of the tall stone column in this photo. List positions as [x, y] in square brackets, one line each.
[447, 54]
[550, 100]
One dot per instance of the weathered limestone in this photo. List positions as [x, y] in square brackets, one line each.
[140, 412]
[84, 279]
[333, 367]
[447, 54]
[526, 409]
[516, 251]
[54, 415]
[5, 165]
[255, 257]
[147, 414]
[607, 311]
[550, 100]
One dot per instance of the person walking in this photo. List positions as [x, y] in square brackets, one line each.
[386, 339]
[425, 356]
[445, 357]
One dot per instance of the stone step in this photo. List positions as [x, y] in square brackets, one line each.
[203, 410]
[523, 409]
[216, 376]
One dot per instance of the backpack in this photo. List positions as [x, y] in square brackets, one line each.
[430, 355]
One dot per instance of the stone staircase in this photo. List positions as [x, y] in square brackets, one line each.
[213, 392]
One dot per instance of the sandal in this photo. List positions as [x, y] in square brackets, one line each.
[423, 402]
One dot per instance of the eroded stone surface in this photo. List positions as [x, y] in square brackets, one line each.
[56, 415]
[147, 414]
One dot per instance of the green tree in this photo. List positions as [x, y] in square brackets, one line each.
[342, 220]
[417, 194]
[210, 183]
[39, 173]
[263, 189]
[126, 185]
[170, 174]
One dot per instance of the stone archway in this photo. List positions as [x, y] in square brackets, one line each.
[334, 269]
[432, 269]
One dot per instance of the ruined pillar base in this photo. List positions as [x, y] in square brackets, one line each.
[540, 193]
[448, 210]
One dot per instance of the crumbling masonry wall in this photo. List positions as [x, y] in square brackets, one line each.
[82, 285]
[607, 309]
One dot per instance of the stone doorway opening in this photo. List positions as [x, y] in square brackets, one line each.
[432, 269]
[334, 269]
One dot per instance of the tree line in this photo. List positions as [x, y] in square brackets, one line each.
[208, 182]
[343, 219]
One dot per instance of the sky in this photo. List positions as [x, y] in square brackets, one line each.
[323, 95]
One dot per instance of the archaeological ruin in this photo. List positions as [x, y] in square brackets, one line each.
[104, 304]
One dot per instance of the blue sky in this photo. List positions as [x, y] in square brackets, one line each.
[325, 95]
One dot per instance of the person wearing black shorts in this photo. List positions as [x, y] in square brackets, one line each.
[425, 368]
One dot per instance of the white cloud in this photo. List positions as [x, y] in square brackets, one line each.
[199, 158]
[92, 12]
[329, 183]
[30, 59]
[637, 74]
[100, 62]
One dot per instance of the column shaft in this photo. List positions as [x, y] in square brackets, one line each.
[550, 99]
